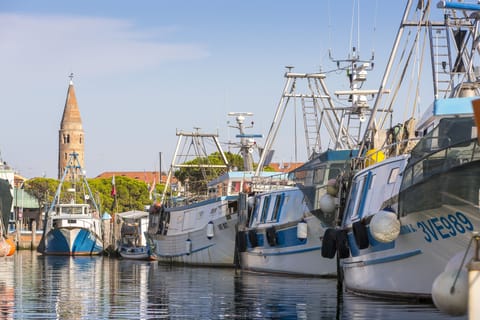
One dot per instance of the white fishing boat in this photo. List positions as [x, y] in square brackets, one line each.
[72, 225]
[283, 227]
[199, 228]
[133, 243]
[411, 211]
[7, 245]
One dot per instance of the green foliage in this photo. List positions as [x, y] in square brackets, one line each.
[131, 193]
[42, 188]
[198, 177]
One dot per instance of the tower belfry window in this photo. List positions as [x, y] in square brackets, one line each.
[68, 138]
[80, 139]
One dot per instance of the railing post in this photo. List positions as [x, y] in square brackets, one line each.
[474, 281]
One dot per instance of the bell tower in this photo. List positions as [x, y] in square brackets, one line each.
[70, 135]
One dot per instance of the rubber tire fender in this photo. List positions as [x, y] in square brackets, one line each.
[360, 233]
[329, 243]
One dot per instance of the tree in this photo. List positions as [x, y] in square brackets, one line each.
[198, 177]
[131, 193]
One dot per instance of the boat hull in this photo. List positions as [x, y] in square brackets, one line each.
[136, 253]
[291, 255]
[217, 251]
[433, 233]
[72, 242]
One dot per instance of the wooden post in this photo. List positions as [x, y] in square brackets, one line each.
[34, 235]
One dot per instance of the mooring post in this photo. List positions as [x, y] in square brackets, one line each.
[34, 235]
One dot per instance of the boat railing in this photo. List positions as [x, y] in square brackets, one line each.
[385, 152]
[440, 161]
[271, 183]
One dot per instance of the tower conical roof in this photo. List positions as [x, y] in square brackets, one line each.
[71, 119]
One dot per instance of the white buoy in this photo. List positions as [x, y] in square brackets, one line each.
[210, 232]
[384, 226]
[453, 302]
[327, 203]
[188, 246]
[302, 232]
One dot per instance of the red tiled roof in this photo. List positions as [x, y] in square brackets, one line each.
[145, 176]
[285, 166]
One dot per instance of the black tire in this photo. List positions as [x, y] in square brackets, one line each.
[252, 237]
[241, 241]
[343, 249]
[271, 236]
[360, 234]
[329, 243]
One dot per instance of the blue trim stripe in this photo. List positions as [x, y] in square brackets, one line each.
[370, 262]
[285, 252]
[185, 253]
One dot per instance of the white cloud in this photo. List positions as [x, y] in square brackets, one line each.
[93, 46]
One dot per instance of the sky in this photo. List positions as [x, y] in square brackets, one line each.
[145, 69]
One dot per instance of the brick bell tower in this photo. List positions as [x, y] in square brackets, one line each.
[70, 135]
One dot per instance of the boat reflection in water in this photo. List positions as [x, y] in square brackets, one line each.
[61, 287]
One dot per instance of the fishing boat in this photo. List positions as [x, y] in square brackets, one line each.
[413, 202]
[133, 243]
[7, 246]
[72, 225]
[197, 225]
[283, 226]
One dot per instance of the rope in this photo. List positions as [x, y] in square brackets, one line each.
[452, 289]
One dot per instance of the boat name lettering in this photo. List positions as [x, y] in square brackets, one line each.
[445, 227]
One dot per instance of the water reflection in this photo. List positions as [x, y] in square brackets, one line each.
[38, 287]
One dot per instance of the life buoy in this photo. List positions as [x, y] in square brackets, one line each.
[252, 237]
[241, 241]
[343, 249]
[360, 234]
[271, 236]
[329, 243]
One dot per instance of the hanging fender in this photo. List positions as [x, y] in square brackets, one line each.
[252, 237]
[271, 236]
[343, 249]
[210, 232]
[329, 243]
[241, 241]
[360, 234]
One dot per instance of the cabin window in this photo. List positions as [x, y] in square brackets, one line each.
[277, 207]
[255, 211]
[266, 205]
[393, 175]
[355, 199]
[236, 186]
[335, 170]
[319, 176]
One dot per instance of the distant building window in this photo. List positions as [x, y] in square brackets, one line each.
[64, 138]
[68, 138]
[80, 139]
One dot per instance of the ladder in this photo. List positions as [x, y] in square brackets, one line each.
[442, 61]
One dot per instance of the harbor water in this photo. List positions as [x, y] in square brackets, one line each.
[33, 286]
